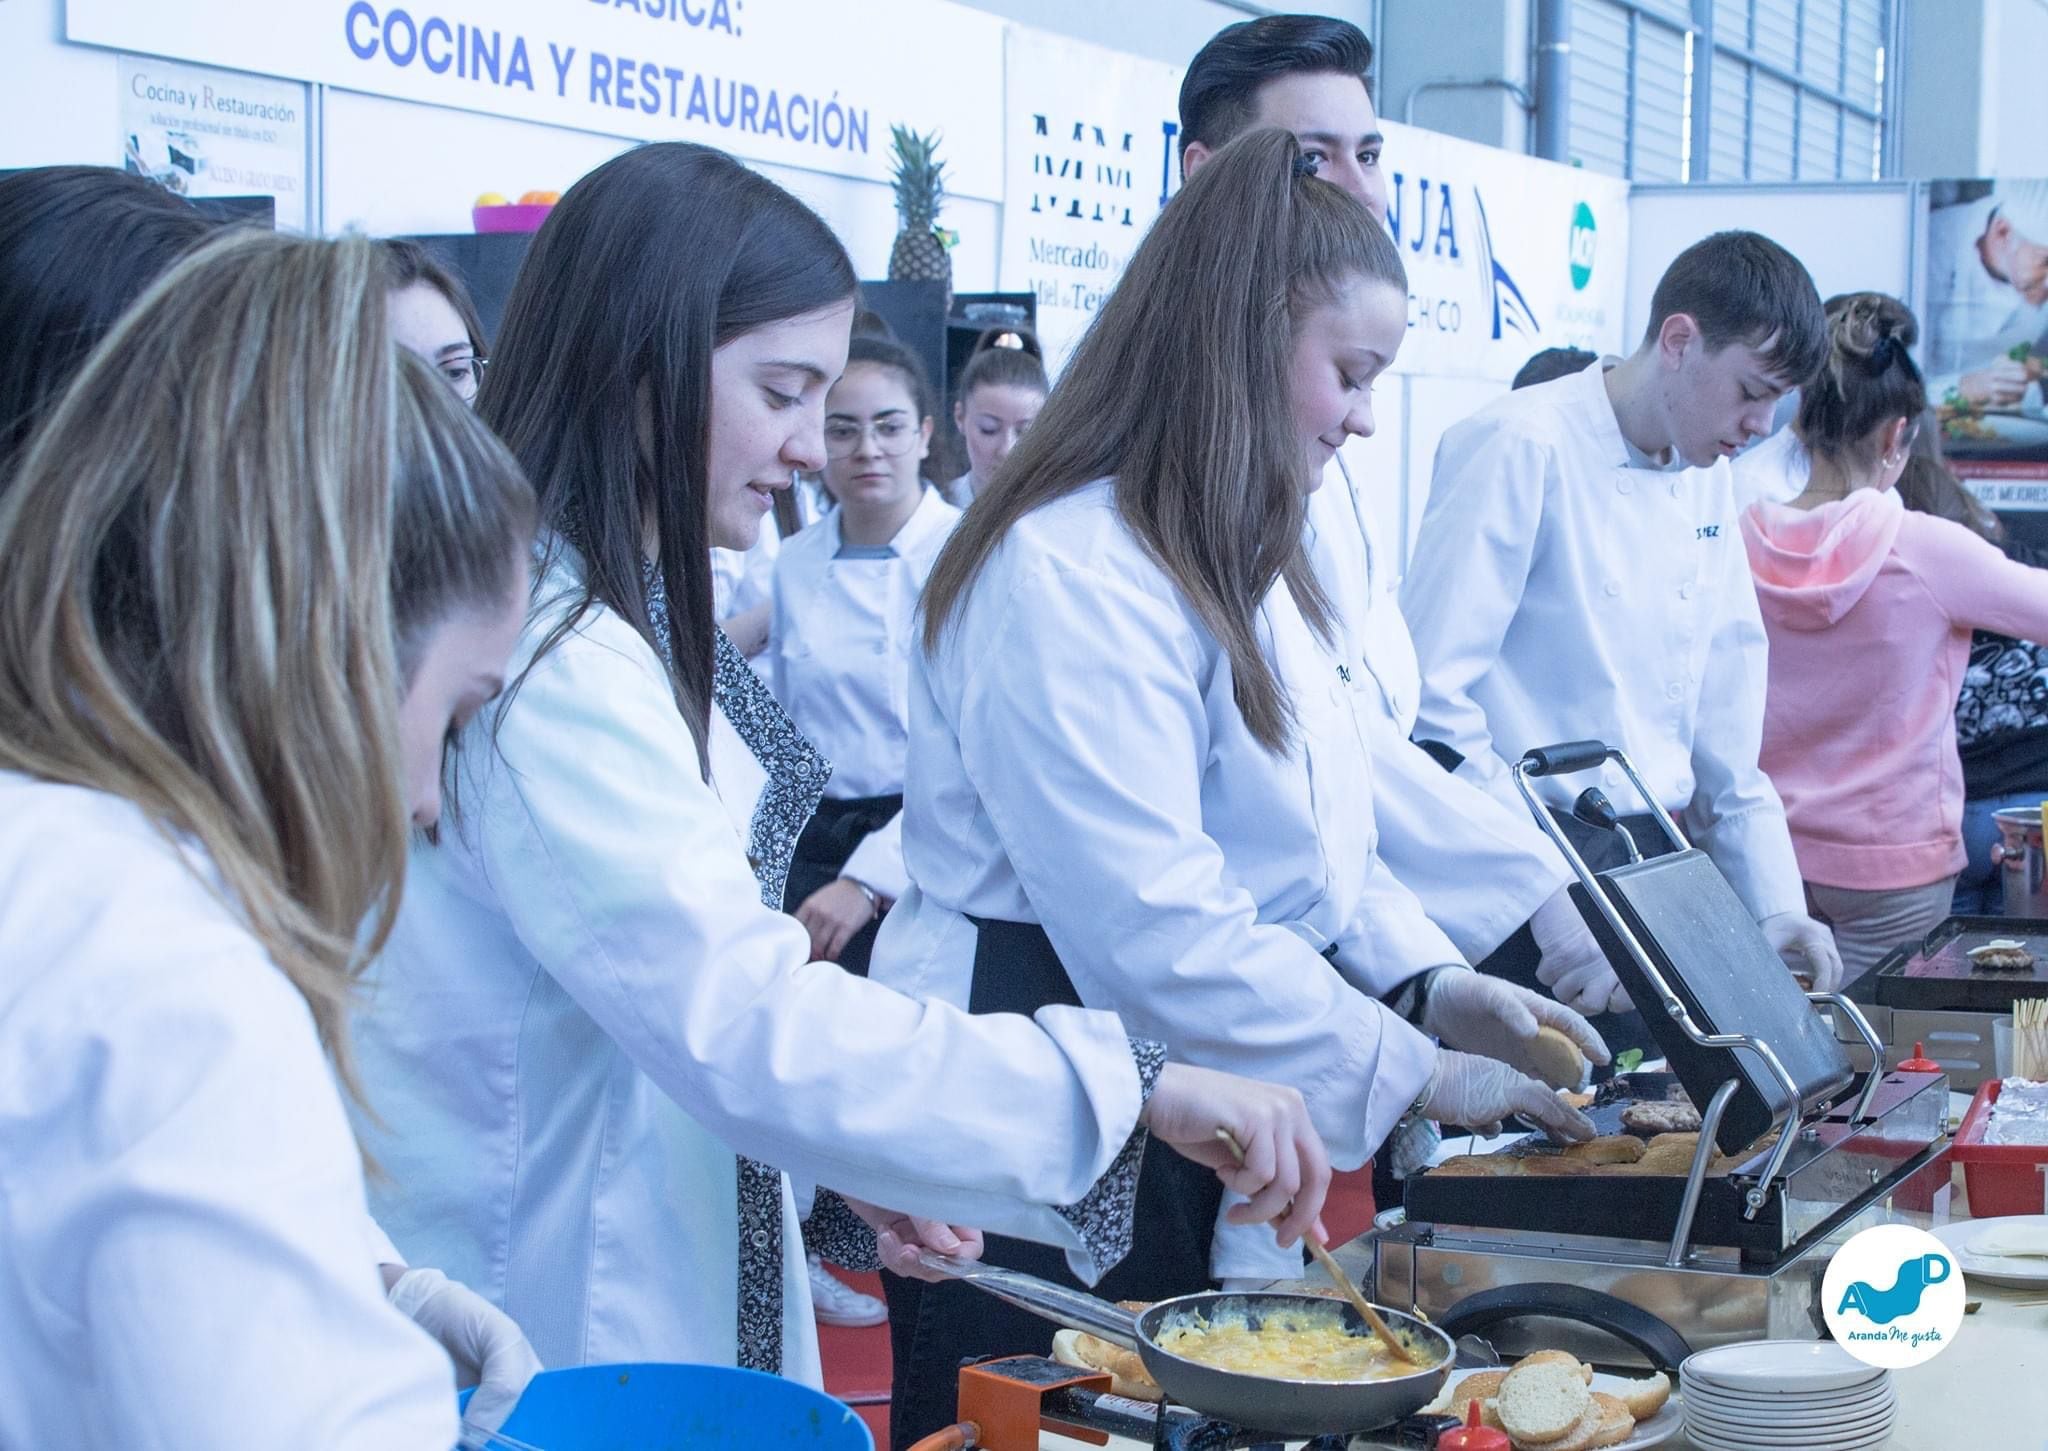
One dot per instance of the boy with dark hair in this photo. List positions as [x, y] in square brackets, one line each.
[1579, 575]
[1304, 73]
[1553, 363]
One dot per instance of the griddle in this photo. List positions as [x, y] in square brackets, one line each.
[1938, 975]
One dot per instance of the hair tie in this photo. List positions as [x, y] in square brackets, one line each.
[1884, 354]
[1305, 166]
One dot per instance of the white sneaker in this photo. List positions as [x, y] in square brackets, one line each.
[837, 1303]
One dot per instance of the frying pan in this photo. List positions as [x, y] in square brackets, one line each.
[1265, 1403]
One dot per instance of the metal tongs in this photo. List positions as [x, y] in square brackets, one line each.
[1594, 808]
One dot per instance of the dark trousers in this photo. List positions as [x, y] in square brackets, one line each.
[933, 1328]
[827, 844]
[1516, 959]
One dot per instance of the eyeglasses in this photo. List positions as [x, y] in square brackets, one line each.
[893, 437]
[464, 375]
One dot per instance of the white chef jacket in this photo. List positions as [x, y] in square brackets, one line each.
[184, 1247]
[1480, 867]
[585, 1010]
[840, 638]
[1078, 761]
[1773, 470]
[742, 578]
[1559, 594]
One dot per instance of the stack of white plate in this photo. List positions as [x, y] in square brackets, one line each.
[1785, 1395]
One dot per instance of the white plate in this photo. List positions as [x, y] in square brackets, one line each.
[1793, 1413]
[1801, 1367]
[1706, 1441]
[2030, 1273]
[1871, 1393]
[1846, 1428]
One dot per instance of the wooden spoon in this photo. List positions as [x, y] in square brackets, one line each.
[1394, 1343]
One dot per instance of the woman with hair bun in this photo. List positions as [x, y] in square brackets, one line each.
[1870, 608]
[1001, 390]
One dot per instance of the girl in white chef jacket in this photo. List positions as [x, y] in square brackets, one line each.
[1137, 777]
[207, 773]
[1000, 392]
[839, 644]
[1579, 575]
[590, 1001]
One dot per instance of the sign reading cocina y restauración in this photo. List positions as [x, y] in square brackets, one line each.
[788, 82]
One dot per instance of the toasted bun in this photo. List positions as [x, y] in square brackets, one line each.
[1476, 1166]
[1644, 1398]
[1557, 1059]
[1125, 1369]
[1544, 1402]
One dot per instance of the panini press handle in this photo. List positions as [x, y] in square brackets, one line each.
[1565, 758]
[1665, 1348]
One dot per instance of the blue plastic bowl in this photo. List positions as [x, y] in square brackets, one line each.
[679, 1408]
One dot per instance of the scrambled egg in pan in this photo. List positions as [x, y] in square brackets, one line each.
[1285, 1347]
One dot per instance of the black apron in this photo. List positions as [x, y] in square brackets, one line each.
[933, 1328]
[835, 829]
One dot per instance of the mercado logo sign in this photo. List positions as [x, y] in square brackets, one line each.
[779, 81]
[1582, 239]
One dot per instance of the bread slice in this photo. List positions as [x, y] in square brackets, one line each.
[1556, 1357]
[1607, 1149]
[1557, 1059]
[1606, 1422]
[1477, 1166]
[1542, 1403]
[1644, 1398]
[1126, 1370]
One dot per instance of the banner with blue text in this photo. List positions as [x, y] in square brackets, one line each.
[789, 82]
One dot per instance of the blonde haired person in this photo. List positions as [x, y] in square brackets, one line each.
[234, 630]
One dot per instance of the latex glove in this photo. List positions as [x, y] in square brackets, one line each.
[1285, 1175]
[1573, 966]
[900, 1238]
[1479, 1092]
[488, 1348]
[1807, 947]
[1480, 1014]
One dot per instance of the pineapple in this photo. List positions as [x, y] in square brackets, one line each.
[920, 183]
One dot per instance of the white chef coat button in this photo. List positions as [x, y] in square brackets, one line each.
[760, 1239]
[1674, 691]
[1613, 587]
[1626, 486]
[1685, 590]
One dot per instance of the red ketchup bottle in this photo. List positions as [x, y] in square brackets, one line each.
[1474, 1437]
[1919, 1062]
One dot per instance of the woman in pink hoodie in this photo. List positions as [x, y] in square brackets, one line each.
[1869, 610]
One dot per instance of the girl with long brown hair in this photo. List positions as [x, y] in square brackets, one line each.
[235, 628]
[595, 1029]
[1140, 781]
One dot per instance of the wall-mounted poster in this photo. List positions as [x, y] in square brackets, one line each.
[1986, 335]
[204, 132]
[1089, 158]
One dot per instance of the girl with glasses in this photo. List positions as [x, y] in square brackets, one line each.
[433, 317]
[838, 657]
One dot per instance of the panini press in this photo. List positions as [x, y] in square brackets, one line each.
[1643, 1271]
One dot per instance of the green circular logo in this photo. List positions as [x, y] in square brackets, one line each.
[1582, 247]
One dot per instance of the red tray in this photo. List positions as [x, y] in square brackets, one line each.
[2003, 1178]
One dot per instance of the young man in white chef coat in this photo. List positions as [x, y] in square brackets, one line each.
[1481, 868]
[1578, 576]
